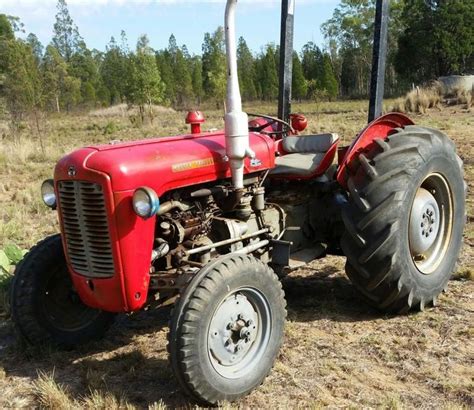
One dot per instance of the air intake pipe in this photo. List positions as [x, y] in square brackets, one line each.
[236, 121]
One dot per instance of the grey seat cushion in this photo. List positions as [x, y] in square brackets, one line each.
[305, 154]
[309, 143]
[303, 165]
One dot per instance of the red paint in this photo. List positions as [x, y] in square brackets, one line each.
[382, 127]
[299, 122]
[195, 118]
[163, 164]
[258, 122]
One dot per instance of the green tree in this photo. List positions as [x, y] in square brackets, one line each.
[55, 79]
[214, 66]
[299, 83]
[312, 61]
[183, 80]
[114, 72]
[145, 87]
[6, 29]
[438, 39]
[246, 67]
[328, 80]
[66, 36]
[164, 62]
[198, 89]
[177, 74]
[36, 47]
[350, 34]
[83, 67]
[267, 73]
[21, 85]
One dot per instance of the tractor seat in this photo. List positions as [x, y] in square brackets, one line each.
[304, 155]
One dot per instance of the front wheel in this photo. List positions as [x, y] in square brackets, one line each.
[226, 329]
[405, 218]
[45, 307]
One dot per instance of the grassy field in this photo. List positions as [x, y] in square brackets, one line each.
[337, 351]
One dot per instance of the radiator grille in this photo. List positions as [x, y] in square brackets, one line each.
[86, 229]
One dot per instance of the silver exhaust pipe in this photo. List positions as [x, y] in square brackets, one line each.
[236, 121]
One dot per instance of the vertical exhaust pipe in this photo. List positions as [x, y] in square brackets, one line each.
[236, 121]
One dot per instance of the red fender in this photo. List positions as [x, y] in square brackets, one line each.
[382, 127]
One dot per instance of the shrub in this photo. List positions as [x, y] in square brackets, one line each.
[10, 256]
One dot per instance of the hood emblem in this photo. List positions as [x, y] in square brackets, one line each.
[72, 171]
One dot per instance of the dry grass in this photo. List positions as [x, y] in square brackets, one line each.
[337, 351]
[49, 394]
[123, 110]
[421, 99]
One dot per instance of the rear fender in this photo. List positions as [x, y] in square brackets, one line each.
[381, 128]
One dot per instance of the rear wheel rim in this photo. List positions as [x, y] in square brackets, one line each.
[430, 225]
[239, 333]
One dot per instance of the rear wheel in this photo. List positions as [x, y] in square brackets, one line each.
[226, 329]
[405, 218]
[45, 307]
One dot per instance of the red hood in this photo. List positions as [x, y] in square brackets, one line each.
[165, 163]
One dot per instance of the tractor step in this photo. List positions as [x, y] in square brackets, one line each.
[305, 256]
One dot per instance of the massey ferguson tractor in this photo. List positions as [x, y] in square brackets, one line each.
[214, 220]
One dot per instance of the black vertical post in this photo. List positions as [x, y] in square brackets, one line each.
[286, 58]
[377, 82]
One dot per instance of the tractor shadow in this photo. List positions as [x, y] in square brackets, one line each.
[324, 293]
[131, 362]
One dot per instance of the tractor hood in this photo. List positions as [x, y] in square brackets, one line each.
[163, 163]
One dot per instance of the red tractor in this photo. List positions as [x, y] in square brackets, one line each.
[213, 220]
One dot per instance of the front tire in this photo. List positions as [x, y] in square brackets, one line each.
[226, 329]
[405, 219]
[45, 308]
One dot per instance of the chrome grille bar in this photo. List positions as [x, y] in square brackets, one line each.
[86, 229]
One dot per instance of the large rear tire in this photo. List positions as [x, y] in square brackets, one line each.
[44, 305]
[226, 329]
[404, 219]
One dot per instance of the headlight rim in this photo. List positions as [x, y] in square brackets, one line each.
[153, 201]
[49, 183]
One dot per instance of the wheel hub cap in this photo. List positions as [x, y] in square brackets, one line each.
[233, 330]
[424, 222]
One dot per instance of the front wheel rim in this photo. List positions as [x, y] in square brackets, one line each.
[239, 333]
[430, 225]
[61, 305]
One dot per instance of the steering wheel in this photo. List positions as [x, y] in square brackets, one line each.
[287, 128]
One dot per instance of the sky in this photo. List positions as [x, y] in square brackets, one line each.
[257, 20]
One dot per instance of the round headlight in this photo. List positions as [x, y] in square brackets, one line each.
[48, 194]
[145, 202]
